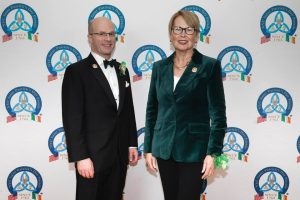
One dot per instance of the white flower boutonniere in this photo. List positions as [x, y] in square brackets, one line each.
[122, 68]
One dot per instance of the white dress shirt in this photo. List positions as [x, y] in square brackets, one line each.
[111, 76]
[176, 79]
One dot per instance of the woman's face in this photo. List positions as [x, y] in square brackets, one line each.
[183, 41]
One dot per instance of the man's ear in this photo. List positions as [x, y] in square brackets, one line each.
[89, 39]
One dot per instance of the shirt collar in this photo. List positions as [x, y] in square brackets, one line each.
[98, 58]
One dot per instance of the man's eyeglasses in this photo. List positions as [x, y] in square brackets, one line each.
[178, 30]
[103, 34]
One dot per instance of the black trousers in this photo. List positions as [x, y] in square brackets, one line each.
[180, 181]
[107, 184]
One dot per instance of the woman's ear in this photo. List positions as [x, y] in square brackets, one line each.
[197, 37]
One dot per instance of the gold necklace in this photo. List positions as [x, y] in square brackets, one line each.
[181, 67]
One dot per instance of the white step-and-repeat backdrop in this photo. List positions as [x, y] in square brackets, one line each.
[256, 41]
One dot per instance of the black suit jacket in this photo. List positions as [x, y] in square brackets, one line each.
[94, 127]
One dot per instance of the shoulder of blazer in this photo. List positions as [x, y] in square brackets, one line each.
[164, 62]
[80, 65]
[211, 65]
[205, 61]
[199, 58]
[209, 60]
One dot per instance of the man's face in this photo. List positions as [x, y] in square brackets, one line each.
[102, 37]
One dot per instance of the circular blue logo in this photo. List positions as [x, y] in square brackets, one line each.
[20, 21]
[278, 19]
[141, 134]
[60, 57]
[57, 141]
[23, 99]
[113, 14]
[274, 100]
[271, 179]
[205, 24]
[235, 59]
[144, 57]
[24, 179]
[236, 140]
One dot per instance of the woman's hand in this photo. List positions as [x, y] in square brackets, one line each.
[151, 163]
[208, 167]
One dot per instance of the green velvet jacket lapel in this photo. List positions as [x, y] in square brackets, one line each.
[193, 70]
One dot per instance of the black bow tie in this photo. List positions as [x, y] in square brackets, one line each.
[111, 63]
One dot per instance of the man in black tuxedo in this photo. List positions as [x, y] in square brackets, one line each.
[98, 117]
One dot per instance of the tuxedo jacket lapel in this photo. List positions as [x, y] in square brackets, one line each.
[99, 75]
[122, 86]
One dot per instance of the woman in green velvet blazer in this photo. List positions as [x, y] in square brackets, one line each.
[185, 118]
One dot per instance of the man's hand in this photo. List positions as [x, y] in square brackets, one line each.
[133, 156]
[151, 162]
[86, 168]
[208, 167]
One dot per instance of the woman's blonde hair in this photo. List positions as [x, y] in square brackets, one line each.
[190, 18]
